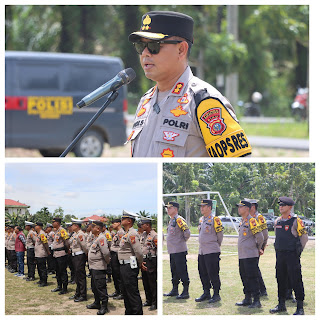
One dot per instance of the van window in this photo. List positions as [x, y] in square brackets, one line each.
[38, 76]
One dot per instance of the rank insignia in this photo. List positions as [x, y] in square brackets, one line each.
[101, 242]
[170, 135]
[133, 239]
[212, 118]
[178, 88]
[141, 111]
[146, 21]
[80, 237]
[145, 102]
[178, 111]
[286, 228]
[167, 153]
[183, 99]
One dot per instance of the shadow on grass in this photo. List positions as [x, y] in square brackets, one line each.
[174, 300]
[207, 305]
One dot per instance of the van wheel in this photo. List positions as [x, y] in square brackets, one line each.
[90, 145]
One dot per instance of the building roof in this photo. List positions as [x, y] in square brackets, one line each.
[95, 217]
[13, 203]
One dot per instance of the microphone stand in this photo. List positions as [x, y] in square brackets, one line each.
[111, 98]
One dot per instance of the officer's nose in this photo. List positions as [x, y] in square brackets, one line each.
[145, 52]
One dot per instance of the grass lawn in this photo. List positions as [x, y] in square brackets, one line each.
[26, 298]
[298, 130]
[231, 286]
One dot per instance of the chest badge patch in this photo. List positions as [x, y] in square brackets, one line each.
[178, 111]
[170, 135]
[286, 228]
[178, 88]
[183, 99]
[167, 153]
[215, 123]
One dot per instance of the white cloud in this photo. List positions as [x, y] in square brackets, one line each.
[71, 195]
[9, 188]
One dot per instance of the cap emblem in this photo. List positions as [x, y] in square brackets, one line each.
[146, 21]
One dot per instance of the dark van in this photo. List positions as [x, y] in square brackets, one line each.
[41, 92]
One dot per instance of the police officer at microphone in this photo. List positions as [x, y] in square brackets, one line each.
[291, 238]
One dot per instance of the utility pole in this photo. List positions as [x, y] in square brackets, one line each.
[232, 81]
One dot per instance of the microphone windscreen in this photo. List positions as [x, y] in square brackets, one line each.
[130, 74]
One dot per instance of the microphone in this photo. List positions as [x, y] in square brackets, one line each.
[123, 77]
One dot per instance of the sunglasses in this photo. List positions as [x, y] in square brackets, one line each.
[282, 205]
[153, 46]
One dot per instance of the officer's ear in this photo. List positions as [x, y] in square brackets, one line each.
[183, 49]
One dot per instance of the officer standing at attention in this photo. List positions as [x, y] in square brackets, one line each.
[178, 234]
[130, 258]
[50, 259]
[70, 264]
[60, 248]
[210, 239]
[264, 229]
[291, 238]
[89, 239]
[98, 258]
[250, 241]
[79, 253]
[115, 266]
[12, 257]
[108, 236]
[149, 242]
[182, 116]
[41, 251]
[30, 243]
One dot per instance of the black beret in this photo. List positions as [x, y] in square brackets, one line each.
[146, 220]
[40, 224]
[286, 200]
[172, 204]
[56, 219]
[115, 220]
[98, 223]
[244, 203]
[206, 202]
[159, 25]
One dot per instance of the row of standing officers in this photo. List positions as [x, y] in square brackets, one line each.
[291, 238]
[125, 251]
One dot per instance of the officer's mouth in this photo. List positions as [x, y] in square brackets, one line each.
[148, 66]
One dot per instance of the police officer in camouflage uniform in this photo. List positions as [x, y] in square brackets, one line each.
[98, 258]
[79, 251]
[30, 243]
[291, 238]
[60, 248]
[178, 234]
[149, 242]
[210, 239]
[264, 229]
[130, 258]
[182, 116]
[115, 266]
[250, 241]
[41, 252]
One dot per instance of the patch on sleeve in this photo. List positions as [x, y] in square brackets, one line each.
[254, 227]
[43, 238]
[102, 242]
[300, 227]
[108, 236]
[182, 224]
[133, 239]
[80, 237]
[223, 136]
[262, 222]
[64, 234]
[217, 224]
[155, 242]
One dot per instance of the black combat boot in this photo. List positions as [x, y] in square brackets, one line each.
[256, 302]
[245, 302]
[64, 289]
[95, 305]
[281, 307]
[215, 298]
[56, 289]
[104, 308]
[299, 311]
[173, 293]
[204, 296]
[185, 292]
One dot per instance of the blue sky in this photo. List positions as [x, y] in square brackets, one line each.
[84, 189]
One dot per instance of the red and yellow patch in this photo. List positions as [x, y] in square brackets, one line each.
[167, 153]
[183, 99]
[262, 219]
[101, 242]
[141, 111]
[214, 121]
[130, 135]
[155, 242]
[178, 111]
[133, 239]
[81, 237]
[178, 88]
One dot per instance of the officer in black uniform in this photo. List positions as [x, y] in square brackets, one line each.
[291, 238]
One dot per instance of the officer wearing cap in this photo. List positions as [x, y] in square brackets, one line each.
[210, 239]
[60, 248]
[70, 264]
[107, 234]
[50, 259]
[79, 253]
[291, 238]
[115, 266]
[261, 221]
[250, 241]
[30, 243]
[98, 258]
[130, 258]
[149, 241]
[41, 252]
[12, 257]
[89, 240]
[182, 116]
[178, 234]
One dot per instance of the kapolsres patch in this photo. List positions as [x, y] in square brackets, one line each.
[215, 123]
[177, 89]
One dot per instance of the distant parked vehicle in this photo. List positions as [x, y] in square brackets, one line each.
[226, 221]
